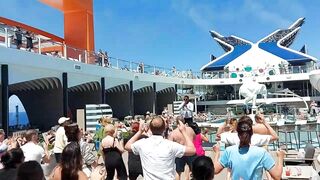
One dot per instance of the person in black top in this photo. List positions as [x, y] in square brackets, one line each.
[11, 160]
[18, 37]
[29, 41]
[112, 153]
[30, 170]
[106, 59]
[100, 57]
[134, 162]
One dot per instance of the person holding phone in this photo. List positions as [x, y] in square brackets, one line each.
[33, 151]
[186, 110]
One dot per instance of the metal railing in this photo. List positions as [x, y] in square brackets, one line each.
[46, 46]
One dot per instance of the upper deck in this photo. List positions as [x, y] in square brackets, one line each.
[52, 48]
[55, 79]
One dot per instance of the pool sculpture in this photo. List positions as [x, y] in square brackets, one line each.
[249, 90]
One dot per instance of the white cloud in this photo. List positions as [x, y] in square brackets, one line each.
[204, 15]
[199, 18]
[259, 11]
[200, 14]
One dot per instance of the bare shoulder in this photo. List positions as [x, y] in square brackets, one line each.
[189, 129]
[177, 136]
[260, 129]
[190, 132]
[82, 175]
[259, 125]
[56, 173]
[107, 141]
[173, 134]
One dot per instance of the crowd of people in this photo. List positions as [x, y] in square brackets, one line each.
[156, 150]
[77, 159]
[159, 147]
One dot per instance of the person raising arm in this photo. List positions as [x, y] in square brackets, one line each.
[246, 161]
[263, 128]
[159, 153]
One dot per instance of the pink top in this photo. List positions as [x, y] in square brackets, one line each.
[198, 145]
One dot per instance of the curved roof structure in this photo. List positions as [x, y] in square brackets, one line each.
[276, 44]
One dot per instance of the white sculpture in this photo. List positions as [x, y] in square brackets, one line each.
[249, 90]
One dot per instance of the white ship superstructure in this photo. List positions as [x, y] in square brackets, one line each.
[54, 79]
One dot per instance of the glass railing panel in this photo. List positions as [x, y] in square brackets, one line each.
[3, 36]
[148, 69]
[161, 71]
[48, 47]
[157, 71]
[90, 57]
[137, 67]
[114, 63]
[75, 54]
[197, 75]
[123, 64]
[295, 69]
[102, 58]
[10, 40]
[171, 72]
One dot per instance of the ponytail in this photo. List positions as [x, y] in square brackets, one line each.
[244, 129]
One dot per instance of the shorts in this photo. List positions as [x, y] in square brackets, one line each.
[181, 162]
[189, 121]
[18, 41]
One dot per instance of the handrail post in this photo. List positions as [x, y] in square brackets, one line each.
[65, 50]
[117, 63]
[299, 69]
[154, 70]
[86, 56]
[102, 61]
[39, 45]
[6, 42]
[130, 65]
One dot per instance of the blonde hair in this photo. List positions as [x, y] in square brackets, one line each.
[105, 120]
[109, 129]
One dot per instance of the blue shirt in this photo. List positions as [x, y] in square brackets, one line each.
[98, 126]
[246, 163]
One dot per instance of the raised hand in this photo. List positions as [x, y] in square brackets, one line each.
[261, 119]
[216, 148]
[141, 126]
[281, 153]
[181, 126]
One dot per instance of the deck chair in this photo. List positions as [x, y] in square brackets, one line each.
[307, 160]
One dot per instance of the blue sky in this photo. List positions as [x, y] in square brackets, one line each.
[175, 32]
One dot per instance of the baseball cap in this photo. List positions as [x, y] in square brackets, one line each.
[63, 119]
